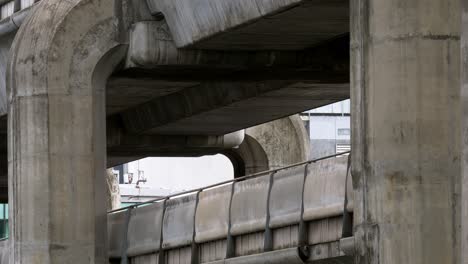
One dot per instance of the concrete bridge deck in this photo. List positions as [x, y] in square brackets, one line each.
[195, 73]
[292, 215]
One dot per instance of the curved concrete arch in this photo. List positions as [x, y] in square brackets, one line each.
[61, 58]
[272, 145]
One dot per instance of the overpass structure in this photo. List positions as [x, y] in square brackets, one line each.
[125, 79]
[292, 215]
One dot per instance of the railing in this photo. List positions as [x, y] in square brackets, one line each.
[13, 13]
[251, 176]
[207, 224]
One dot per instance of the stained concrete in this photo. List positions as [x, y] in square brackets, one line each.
[271, 145]
[464, 159]
[62, 56]
[254, 25]
[406, 125]
[209, 93]
[250, 207]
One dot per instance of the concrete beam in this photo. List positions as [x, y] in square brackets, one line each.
[254, 25]
[123, 147]
[217, 92]
[221, 108]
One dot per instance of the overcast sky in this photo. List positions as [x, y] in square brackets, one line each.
[184, 173]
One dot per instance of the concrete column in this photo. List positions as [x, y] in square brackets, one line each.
[464, 102]
[61, 59]
[406, 121]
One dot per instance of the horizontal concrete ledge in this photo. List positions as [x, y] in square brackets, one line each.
[290, 256]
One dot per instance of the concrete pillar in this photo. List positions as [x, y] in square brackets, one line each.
[464, 102]
[61, 59]
[406, 121]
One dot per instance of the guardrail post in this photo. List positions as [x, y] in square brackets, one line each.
[124, 245]
[162, 253]
[268, 238]
[195, 252]
[303, 228]
[230, 242]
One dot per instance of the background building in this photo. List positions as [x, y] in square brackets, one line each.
[329, 129]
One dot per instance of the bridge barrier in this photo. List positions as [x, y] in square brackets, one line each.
[286, 197]
[249, 205]
[178, 222]
[116, 233]
[291, 215]
[143, 241]
[211, 220]
[323, 196]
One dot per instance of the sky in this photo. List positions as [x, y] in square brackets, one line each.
[178, 174]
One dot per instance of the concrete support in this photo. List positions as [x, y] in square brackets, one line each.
[464, 102]
[62, 56]
[406, 130]
[271, 146]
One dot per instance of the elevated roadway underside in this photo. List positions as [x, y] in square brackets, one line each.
[214, 68]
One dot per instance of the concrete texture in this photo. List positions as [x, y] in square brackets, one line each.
[248, 218]
[325, 188]
[62, 57]
[5, 44]
[4, 255]
[144, 230]
[112, 191]
[464, 165]
[212, 217]
[161, 95]
[285, 24]
[179, 222]
[286, 183]
[116, 234]
[406, 125]
[271, 145]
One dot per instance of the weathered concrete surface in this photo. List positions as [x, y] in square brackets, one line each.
[324, 194]
[286, 183]
[56, 81]
[4, 256]
[258, 24]
[112, 191]
[211, 220]
[5, 44]
[406, 130]
[116, 234]
[178, 224]
[247, 219]
[251, 218]
[144, 230]
[271, 145]
[464, 159]
[249, 88]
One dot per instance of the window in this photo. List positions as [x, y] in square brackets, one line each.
[7, 9]
[3, 221]
[340, 148]
[344, 131]
[26, 3]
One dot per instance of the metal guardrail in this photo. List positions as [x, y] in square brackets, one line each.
[13, 22]
[201, 189]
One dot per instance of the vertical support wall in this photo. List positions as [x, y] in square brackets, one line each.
[61, 58]
[464, 101]
[406, 120]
